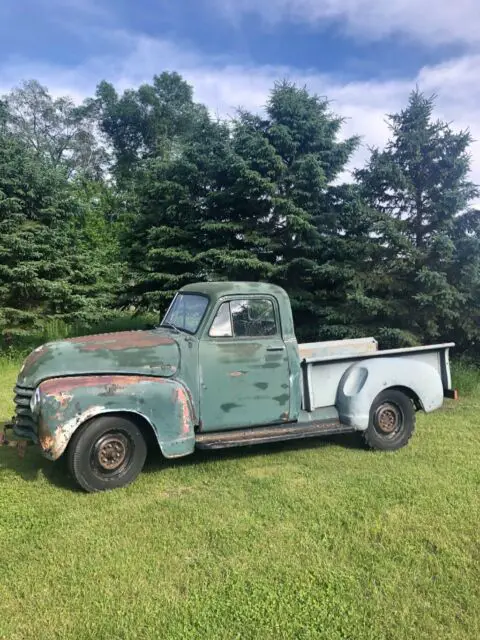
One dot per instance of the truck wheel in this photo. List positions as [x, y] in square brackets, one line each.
[107, 453]
[392, 421]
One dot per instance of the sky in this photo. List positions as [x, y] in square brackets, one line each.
[364, 55]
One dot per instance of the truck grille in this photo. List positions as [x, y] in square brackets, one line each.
[23, 415]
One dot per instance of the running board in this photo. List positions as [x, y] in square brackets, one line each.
[274, 433]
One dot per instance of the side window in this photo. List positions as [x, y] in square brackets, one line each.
[244, 319]
[253, 318]
[222, 325]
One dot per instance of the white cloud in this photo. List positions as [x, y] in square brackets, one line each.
[224, 86]
[430, 22]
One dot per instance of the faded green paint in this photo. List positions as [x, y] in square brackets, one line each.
[176, 382]
[251, 373]
[133, 352]
[66, 403]
[180, 385]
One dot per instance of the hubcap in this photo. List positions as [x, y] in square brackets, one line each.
[111, 452]
[388, 418]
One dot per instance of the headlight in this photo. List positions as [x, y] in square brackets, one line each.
[35, 401]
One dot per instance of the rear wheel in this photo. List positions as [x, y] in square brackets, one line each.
[392, 421]
[107, 453]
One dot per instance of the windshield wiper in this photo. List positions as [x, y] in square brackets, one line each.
[170, 326]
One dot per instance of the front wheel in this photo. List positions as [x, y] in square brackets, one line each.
[392, 421]
[107, 453]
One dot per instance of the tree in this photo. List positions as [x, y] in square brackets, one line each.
[319, 237]
[255, 201]
[149, 122]
[45, 269]
[421, 181]
[56, 129]
[187, 226]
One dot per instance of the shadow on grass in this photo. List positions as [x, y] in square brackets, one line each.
[155, 462]
[33, 465]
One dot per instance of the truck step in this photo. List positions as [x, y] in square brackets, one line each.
[273, 433]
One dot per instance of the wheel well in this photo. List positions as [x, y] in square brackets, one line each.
[141, 422]
[147, 430]
[410, 394]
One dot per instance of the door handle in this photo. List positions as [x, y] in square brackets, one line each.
[277, 348]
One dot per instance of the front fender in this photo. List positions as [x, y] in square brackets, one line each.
[64, 404]
[363, 381]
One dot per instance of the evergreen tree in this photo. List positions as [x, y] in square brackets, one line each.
[421, 181]
[319, 237]
[189, 224]
[44, 269]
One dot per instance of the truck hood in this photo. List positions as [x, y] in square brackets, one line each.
[149, 353]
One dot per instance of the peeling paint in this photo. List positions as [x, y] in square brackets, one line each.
[54, 445]
[185, 411]
[58, 386]
[68, 402]
[121, 340]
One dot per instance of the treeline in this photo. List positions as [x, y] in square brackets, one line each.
[106, 208]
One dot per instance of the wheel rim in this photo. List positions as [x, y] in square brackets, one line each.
[112, 453]
[388, 419]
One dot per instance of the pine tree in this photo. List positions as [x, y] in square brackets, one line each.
[45, 271]
[421, 181]
[319, 237]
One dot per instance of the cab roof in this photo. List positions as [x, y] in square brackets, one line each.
[224, 288]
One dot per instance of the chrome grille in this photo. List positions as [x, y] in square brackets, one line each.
[23, 415]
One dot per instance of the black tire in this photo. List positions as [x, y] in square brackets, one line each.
[107, 453]
[392, 421]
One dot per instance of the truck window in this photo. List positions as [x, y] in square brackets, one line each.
[222, 325]
[187, 311]
[244, 318]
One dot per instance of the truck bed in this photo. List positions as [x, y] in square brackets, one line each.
[324, 364]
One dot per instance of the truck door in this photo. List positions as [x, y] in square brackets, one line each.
[244, 367]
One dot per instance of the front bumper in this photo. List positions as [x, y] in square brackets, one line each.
[21, 437]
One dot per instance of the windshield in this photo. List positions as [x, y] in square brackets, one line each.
[186, 312]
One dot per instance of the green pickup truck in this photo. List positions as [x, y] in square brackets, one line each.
[223, 369]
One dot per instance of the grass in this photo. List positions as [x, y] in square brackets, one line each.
[317, 540]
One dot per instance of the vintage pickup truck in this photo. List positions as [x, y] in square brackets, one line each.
[223, 369]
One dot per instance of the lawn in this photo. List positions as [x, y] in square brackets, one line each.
[313, 540]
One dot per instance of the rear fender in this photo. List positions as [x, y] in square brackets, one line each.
[364, 380]
[64, 404]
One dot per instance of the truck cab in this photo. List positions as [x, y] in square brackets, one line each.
[222, 369]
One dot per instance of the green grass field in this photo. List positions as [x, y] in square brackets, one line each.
[313, 540]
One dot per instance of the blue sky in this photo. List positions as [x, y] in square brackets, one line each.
[365, 55]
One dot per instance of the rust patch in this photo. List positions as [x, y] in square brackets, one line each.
[53, 445]
[120, 341]
[181, 397]
[59, 387]
[285, 417]
[34, 356]
[63, 399]
[47, 442]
